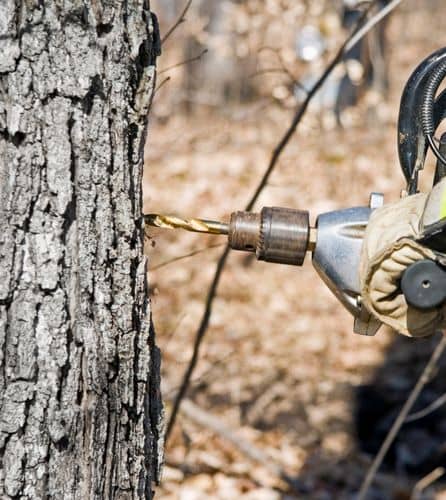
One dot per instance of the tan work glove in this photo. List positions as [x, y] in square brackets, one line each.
[389, 248]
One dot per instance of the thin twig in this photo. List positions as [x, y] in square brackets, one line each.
[385, 11]
[283, 68]
[186, 256]
[265, 71]
[202, 328]
[426, 481]
[170, 335]
[413, 396]
[169, 393]
[426, 411]
[162, 84]
[180, 20]
[186, 61]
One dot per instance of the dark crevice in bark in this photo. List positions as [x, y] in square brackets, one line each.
[156, 44]
[77, 16]
[110, 170]
[96, 89]
[132, 137]
[133, 411]
[65, 368]
[69, 217]
[28, 28]
[114, 367]
[62, 444]
[17, 138]
[36, 349]
[103, 29]
[28, 404]
[109, 445]
[144, 57]
[6, 440]
[7, 301]
[154, 412]
[48, 292]
[80, 388]
[52, 95]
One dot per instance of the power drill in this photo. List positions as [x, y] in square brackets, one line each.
[385, 263]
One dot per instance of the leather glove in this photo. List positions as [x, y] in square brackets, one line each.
[391, 244]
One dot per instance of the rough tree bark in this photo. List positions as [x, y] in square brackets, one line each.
[79, 389]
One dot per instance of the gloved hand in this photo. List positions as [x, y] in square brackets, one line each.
[391, 244]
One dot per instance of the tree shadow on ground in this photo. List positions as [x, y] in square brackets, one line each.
[420, 446]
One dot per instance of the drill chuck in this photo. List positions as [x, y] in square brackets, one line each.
[280, 235]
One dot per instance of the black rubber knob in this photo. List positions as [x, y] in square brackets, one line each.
[424, 285]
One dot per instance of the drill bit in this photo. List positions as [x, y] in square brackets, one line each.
[195, 225]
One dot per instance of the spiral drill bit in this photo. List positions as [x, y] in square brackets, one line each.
[194, 225]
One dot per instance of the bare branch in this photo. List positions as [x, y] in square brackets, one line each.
[170, 335]
[202, 328]
[186, 256]
[186, 61]
[265, 71]
[180, 20]
[169, 393]
[426, 481]
[285, 71]
[385, 11]
[428, 410]
[161, 84]
[413, 396]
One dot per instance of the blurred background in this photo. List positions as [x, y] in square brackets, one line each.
[280, 366]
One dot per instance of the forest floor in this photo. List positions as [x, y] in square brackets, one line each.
[280, 365]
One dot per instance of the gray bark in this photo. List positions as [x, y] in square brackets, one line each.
[79, 390]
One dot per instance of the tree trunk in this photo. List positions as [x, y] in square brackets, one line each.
[80, 412]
